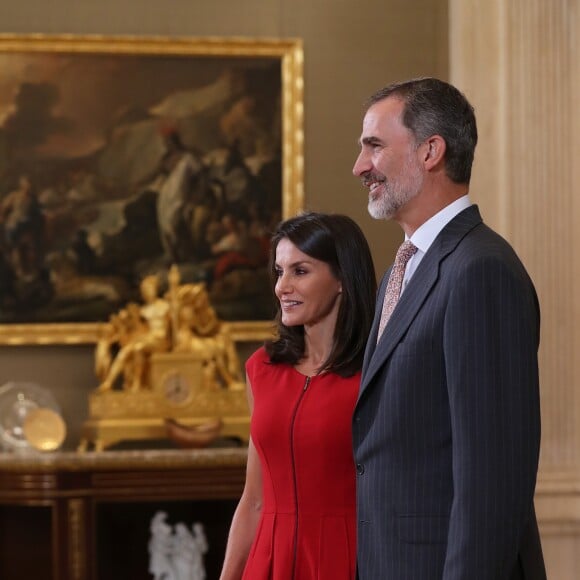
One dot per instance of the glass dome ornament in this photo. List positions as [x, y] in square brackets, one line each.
[30, 418]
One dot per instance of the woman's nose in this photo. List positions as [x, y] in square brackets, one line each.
[282, 285]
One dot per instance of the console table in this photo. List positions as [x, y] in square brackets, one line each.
[85, 516]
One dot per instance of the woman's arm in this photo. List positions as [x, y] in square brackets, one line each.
[247, 514]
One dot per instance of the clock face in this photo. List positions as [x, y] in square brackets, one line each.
[176, 388]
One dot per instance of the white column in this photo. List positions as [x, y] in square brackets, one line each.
[518, 63]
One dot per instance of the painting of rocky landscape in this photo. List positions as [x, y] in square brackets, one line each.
[115, 165]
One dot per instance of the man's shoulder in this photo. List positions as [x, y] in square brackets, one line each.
[482, 240]
[467, 237]
[482, 248]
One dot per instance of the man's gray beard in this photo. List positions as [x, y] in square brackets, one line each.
[394, 197]
[381, 209]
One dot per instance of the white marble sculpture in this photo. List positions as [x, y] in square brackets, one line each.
[189, 549]
[176, 554]
[161, 548]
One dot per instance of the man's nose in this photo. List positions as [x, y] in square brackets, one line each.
[361, 165]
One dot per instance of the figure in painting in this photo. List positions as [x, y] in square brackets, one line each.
[22, 222]
[182, 170]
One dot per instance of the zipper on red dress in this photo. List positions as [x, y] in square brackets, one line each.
[306, 384]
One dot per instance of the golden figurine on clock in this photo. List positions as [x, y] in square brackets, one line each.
[170, 358]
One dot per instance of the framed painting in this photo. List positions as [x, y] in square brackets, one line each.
[121, 156]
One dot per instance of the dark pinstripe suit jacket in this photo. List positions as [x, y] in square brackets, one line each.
[447, 426]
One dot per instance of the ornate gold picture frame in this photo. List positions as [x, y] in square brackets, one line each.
[120, 156]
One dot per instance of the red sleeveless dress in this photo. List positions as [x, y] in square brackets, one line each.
[301, 428]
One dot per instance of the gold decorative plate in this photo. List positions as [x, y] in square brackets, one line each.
[44, 429]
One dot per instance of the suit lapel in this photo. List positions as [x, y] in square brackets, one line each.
[372, 340]
[415, 294]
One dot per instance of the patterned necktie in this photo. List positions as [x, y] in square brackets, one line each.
[404, 253]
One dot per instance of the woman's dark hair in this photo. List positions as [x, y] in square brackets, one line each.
[339, 242]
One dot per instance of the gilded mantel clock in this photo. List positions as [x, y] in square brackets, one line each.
[169, 358]
[176, 387]
[179, 390]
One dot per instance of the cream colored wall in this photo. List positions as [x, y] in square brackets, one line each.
[518, 62]
[351, 49]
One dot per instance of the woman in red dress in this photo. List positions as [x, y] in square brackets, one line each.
[296, 517]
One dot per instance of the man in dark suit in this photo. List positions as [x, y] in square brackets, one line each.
[447, 425]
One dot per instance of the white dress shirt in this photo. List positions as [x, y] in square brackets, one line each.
[426, 234]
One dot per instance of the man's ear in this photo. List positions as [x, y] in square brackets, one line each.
[433, 151]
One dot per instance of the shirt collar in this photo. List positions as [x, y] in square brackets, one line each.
[425, 235]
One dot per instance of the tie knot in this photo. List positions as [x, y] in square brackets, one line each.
[405, 251]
